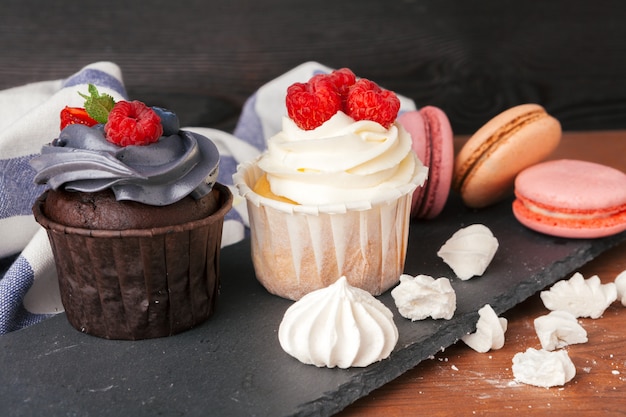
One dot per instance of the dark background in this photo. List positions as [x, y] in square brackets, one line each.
[204, 58]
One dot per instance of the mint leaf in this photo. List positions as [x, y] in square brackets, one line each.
[98, 105]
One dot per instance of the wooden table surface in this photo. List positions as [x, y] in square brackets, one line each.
[462, 382]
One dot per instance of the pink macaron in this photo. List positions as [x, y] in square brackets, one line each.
[433, 143]
[571, 198]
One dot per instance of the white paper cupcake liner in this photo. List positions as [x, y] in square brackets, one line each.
[297, 249]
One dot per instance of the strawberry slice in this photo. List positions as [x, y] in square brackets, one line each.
[76, 115]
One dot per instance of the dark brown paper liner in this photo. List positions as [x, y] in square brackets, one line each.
[140, 283]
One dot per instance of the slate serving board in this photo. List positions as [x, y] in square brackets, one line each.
[233, 364]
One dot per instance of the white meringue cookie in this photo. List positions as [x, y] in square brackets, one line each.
[489, 332]
[559, 329]
[620, 285]
[338, 326]
[469, 251]
[542, 368]
[420, 297]
[580, 297]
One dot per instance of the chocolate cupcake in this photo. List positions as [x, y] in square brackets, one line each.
[134, 217]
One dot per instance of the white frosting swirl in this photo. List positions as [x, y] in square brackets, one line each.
[338, 326]
[341, 161]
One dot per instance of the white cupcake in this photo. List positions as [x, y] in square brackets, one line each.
[331, 201]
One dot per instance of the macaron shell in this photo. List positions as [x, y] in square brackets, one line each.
[477, 143]
[433, 143]
[413, 123]
[573, 185]
[572, 230]
[439, 130]
[576, 199]
[488, 163]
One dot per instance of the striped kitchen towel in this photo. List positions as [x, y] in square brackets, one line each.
[30, 118]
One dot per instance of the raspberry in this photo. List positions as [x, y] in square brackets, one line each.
[367, 101]
[132, 123]
[76, 115]
[310, 104]
[342, 79]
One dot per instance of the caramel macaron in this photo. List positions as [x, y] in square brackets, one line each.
[486, 166]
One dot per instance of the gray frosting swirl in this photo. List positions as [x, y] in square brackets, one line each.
[177, 165]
